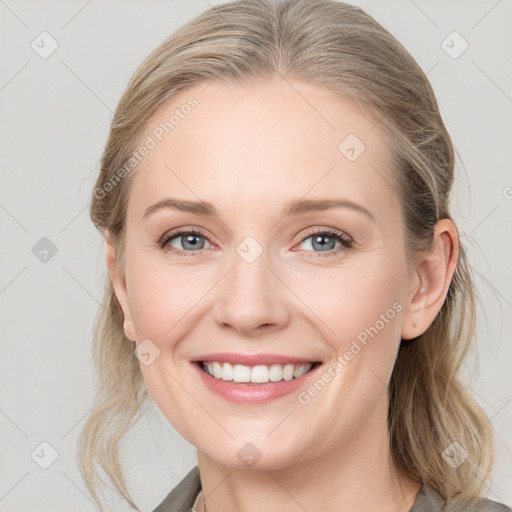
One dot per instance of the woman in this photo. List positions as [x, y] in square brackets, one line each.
[285, 279]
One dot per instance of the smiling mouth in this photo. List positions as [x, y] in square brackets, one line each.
[256, 374]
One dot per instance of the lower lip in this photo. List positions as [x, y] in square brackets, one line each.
[243, 392]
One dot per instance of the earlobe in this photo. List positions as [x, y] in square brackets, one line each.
[433, 274]
[119, 285]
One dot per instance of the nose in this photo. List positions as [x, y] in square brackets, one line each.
[252, 299]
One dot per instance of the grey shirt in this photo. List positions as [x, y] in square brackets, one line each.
[183, 496]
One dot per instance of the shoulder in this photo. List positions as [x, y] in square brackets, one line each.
[182, 497]
[480, 505]
[428, 500]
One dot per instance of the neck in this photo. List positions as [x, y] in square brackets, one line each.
[357, 475]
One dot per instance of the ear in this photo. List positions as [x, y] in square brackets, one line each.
[119, 283]
[432, 277]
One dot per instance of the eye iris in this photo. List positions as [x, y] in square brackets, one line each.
[188, 240]
[323, 245]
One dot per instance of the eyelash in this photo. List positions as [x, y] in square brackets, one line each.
[346, 242]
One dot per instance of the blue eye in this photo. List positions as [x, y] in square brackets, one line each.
[192, 244]
[188, 240]
[328, 247]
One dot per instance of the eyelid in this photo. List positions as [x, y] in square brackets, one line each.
[345, 240]
[183, 230]
[323, 230]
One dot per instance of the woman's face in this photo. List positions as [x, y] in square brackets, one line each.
[326, 285]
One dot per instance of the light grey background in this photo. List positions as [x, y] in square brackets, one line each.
[55, 118]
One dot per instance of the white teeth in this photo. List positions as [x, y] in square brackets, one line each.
[288, 371]
[258, 374]
[227, 372]
[217, 369]
[241, 373]
[301, 369]
[276, 373]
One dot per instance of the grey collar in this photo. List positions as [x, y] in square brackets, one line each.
[183, 496]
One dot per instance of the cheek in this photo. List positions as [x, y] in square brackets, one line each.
[351, 299]
[162, 291]
[151, 304]
[163, 302]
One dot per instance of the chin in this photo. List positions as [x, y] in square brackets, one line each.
[247, 454]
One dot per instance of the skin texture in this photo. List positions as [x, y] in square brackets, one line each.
[250, 150]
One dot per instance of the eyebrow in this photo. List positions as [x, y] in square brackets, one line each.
[296, 207]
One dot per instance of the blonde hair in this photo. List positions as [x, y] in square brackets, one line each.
[343, 49]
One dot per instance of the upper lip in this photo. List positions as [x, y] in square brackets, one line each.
[252, 359]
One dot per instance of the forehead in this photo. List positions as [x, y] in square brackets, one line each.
[272, 141]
